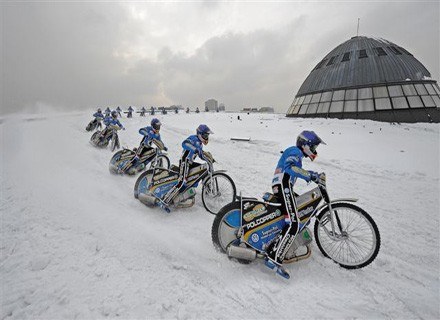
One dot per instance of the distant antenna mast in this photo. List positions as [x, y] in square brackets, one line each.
[357, 32]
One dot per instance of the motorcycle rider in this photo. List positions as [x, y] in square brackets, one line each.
[118, 109]
[288, 170]
[130, 112]
[98, 117]
[98, 113]
[151, 135]
[192, 147]
[110, 121]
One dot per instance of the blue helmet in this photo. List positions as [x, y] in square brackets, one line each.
[155, 123]
[307, 141]
[203, 133]
[114, 114]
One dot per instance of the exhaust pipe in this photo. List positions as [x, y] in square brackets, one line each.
[147, 199]
[241, 253]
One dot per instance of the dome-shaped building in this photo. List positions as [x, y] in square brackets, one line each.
[369, 78]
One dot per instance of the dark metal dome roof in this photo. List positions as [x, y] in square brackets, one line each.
[363, 61]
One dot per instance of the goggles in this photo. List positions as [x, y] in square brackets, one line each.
[205, 135]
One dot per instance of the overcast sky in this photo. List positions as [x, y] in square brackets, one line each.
[78, 55]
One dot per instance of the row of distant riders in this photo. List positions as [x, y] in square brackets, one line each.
[274, 228]
[99, 116]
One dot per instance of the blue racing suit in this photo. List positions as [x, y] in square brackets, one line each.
[98, 115]
[98, 118]
[145, 149]
[109, 121]
[288, 170]
[149, 135]
[192, 147]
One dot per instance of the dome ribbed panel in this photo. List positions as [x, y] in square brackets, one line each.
[359, 72]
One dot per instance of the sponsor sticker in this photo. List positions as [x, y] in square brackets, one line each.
[292, 159]
[246, 205]
[270, 232]
[305, 211]
[170, 178]
[263, 219]
[160, 175]
[286, 247]
[257, 211]
[255, 237]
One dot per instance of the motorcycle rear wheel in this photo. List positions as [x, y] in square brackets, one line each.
[144, 175]
[114, 162]
[225, 228]
[91, 126]
[356, 240]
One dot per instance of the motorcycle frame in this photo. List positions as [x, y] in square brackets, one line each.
[321, 206]
[203, 178]
[158, 153]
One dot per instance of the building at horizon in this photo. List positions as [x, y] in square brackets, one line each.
[369, 78]
[211, 105]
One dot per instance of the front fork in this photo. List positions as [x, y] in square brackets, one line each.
[336, 232]
[213, 187]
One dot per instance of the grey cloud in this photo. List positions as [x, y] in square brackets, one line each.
[64, 54]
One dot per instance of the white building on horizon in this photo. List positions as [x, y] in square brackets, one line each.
[211, 105]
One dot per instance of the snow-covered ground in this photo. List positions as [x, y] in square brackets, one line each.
[76, 244]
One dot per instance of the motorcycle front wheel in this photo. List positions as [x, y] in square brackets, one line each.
[218, 192]
[162, 162]
[115, 142]
[355, 241]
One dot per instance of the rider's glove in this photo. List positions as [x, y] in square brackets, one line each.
[123, 128]
[314, 176]
[165, 148]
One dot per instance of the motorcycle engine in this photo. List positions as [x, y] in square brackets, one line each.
[302, 239]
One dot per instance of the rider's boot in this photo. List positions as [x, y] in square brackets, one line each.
[279, 269]
[164, 206]
[272, 262]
